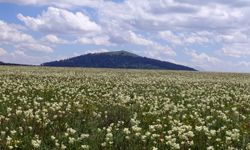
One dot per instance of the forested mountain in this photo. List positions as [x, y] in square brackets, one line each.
[117, 59]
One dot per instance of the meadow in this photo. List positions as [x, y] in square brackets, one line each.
[62, 108]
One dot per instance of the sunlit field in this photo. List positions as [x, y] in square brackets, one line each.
[62, 108]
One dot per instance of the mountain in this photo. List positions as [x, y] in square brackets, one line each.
[116, 59]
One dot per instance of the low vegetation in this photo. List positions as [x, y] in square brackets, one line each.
[62, 108]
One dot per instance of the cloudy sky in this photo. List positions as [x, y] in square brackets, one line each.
[210, 35]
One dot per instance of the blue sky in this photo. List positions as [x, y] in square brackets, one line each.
[209, 35]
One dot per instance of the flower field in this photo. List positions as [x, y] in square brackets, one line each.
[62, 108]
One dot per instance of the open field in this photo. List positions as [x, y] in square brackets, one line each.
[58, 108]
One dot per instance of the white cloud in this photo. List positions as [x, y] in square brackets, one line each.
[170, 37]
[57, 3]
[243, 63]
[202, 59]
[235, 43]
[161, 53]
[2, 52]
[236, 50]
[60, 21]
[98, 40]
[130, 37]
[54, 39]
[9, 33]
[233, 37]
[197, 38]
[96, 51]
[18, 53]
[171, 15]
[23, 2]
[159, 15]
[205, 62]
[20, 57]
[34, 47]
[238, 3]
[185, 38]
[137, 39]
[154, 49]
[13, 36]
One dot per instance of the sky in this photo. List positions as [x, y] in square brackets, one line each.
[209, 35]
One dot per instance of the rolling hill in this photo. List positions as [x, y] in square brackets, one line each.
[116, 59]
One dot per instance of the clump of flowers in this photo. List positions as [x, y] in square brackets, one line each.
[62, 108]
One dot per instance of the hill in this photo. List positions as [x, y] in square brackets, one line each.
[116, 59]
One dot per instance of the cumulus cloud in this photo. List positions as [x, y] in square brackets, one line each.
[10, 33]
[156, 50]
[233, 37]
[244, 63]
[185, 38]
[60, 21]
[202, 59]
[170, 15]
[34, 47]
[161, 53]
[60, 3]
[102, 50]
[2, 52]
[54, 39]
[236, 50]
[171, 37]
[130, 37]
[97, 40]
[235, 43]
[238, 3]
[211, 63]
[21, 45]
[160, 15]
[21, 57]
[137, 39]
